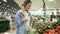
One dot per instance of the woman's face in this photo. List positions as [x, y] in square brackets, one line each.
[28, 6]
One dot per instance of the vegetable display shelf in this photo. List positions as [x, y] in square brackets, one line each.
[48, 28]
[4, 25]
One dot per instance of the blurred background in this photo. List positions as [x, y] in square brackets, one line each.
[39, 8]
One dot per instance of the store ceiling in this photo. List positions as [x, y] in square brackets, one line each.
[8, 5]
[37, 4]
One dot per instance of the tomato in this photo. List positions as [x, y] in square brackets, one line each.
[56, 30]
[59, 32]
[58, 27]
[47, 31]
[52, 32]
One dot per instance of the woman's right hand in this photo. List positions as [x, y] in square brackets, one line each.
[24, 20]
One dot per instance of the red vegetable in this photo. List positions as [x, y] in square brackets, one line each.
[59, 32]
[56, 30]
[47, 31]
[52, 32]
[58, 27]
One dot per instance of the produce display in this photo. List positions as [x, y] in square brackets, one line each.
[46, 26]
[4, 25]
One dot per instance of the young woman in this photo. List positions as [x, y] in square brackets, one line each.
[23, 19]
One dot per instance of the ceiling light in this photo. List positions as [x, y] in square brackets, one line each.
[5, 0]
[50, 0]
[0, 2]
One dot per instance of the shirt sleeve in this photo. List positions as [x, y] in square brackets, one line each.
[17, 19]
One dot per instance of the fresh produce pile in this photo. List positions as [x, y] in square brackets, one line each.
[48, 28]
[52, 31]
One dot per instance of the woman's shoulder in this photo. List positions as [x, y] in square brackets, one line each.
[19, 11]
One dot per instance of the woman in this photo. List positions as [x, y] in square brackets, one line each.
[23, 19]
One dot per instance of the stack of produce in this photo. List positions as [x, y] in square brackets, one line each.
[48, 28]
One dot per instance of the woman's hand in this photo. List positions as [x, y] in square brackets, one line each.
[24, 20]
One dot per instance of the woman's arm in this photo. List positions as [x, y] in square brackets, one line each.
[17, 20]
